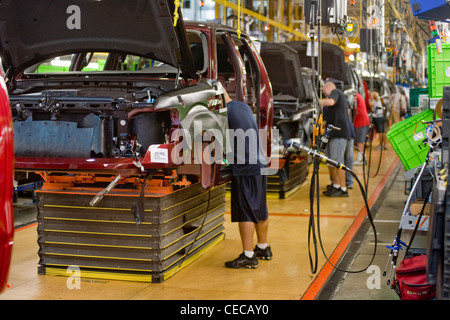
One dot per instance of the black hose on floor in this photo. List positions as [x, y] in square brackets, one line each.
[314, 192]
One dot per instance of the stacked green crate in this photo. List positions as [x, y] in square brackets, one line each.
[418, 100]
[438, 69]
[407, 137]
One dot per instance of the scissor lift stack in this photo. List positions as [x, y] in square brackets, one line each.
[289, 178]
[106, 241]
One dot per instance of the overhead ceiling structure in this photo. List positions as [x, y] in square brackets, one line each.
[399, 34]
[288, 17]
[398, 18]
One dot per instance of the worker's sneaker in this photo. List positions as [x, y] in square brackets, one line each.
[263, 254]
[243, 262]
[329, 190]
[336, 192]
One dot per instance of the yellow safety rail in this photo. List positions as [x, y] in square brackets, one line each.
[260, 17]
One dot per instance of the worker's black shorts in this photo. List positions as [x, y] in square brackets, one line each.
[380, 124]
[248, 198]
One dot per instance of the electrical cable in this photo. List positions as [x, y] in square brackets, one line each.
[315, 184]
[368, 138]
[369, 162]
[416, 227]
[382, 144]
[200, 228]
[395, 243]
[315, 81]
[311, 226]
[317, 157]
[187, 251]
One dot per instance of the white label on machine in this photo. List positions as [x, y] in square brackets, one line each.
[309, 49]
[418, 136]
[159, 155]
[447, 72]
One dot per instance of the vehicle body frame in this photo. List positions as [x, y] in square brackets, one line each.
[120, 121]
[293, 93]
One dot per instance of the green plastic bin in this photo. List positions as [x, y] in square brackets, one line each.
[407, 139]
[438, 70]
[414, 94]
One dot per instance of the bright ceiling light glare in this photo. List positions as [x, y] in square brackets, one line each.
[353, 45]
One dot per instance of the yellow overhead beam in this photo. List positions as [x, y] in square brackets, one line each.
[260, 17]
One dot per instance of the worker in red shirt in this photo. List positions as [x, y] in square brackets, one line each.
[361, 122]
[367, 94]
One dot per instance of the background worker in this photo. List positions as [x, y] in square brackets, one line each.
[348, 155]
[337, 115]
[379, 119]
[361, 124]
[397, 105]
[405, 104]
[248, 190]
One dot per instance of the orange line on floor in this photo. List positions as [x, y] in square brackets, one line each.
[304, 215]
[26, 227]
[327, 269]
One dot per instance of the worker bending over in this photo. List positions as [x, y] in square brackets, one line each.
[248, 188]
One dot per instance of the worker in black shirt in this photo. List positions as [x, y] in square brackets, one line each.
[337, 115]
[248, 185]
